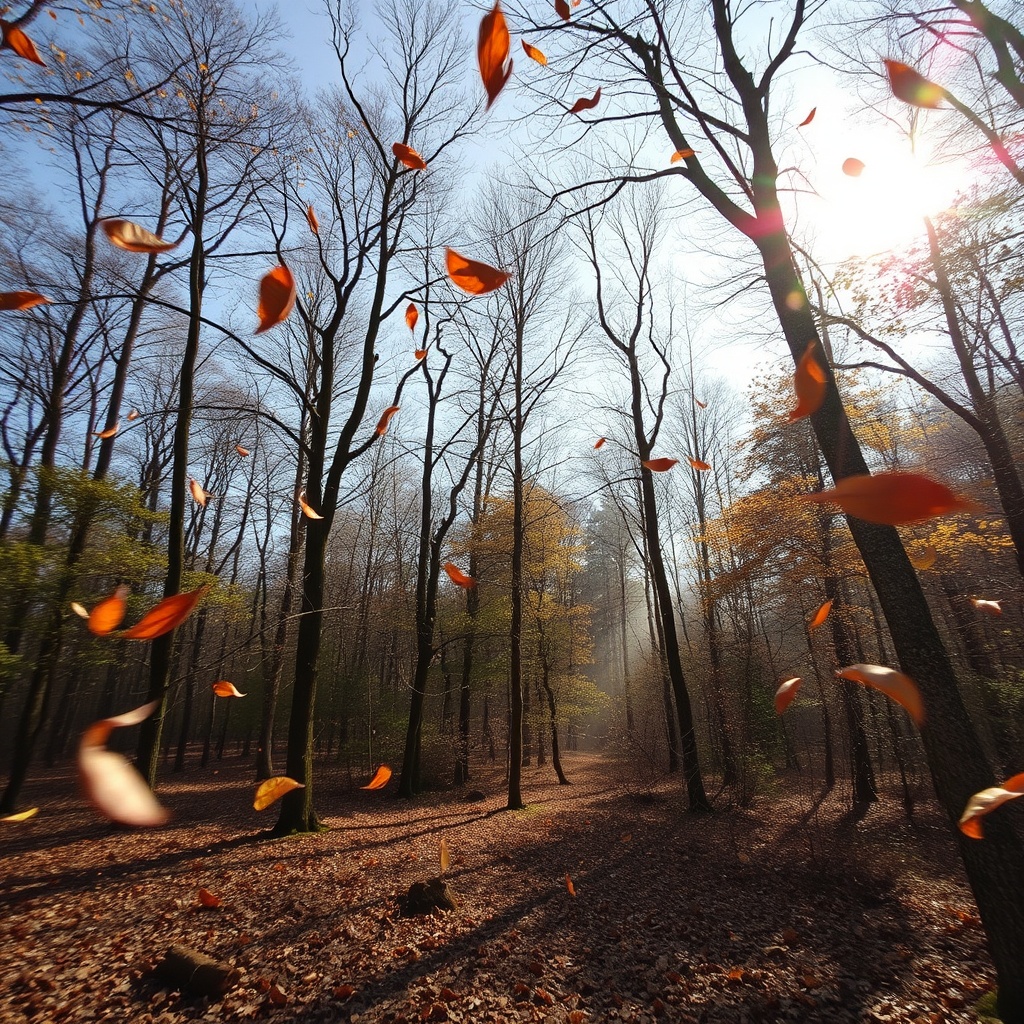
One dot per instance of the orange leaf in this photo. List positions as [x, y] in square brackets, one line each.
[207, 899]
[820, 615]
[273, 789]
[911, 87]
[458, 577]
[103, 435]
[109, 782]
[133, 415]
[568, 884]
[277, 296]
[241, 451]
[170, 613]
[408, 156]
[21, 815]
[991, 607]
[681, 154]
[307, 510]
[420, 353]
[109, 613]
[198, 492]
[133, 238]
[380, 780]
[534, 53]
[892, 498]
[808, 119]
[925, 558]
[314, 224]
[444, 857]
[600, 442]
[853, 167]
[222, 688]
[21, 300]
[472, 276]
[809, 382]
[385, 419]
[16, 40]
[585, 104]
[987, 801]
[660, 465]
[893, 684]
[701, 467]
[412, 314]
[786, 692]
[492, 51]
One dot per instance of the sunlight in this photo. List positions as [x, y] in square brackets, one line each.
[882, 208]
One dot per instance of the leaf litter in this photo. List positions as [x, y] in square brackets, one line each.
[782, 911]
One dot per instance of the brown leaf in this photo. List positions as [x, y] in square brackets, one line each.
[314, 224]
[585, 104]
[562, 9]
[786, 692]
[808, 119]
[207, 899]
[170, 613]
[820, 615]
[911, 87]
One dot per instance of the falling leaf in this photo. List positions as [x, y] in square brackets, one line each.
[198, 492]
[207, 899]
[911, 87]
[853, 167]
[170, 613]
[534, 53]
[569, 886]
[991, 607]
[786, 692]
[132, 238]
[15, 39]
[492, 50]
[660, 465]
[600, 442]
[681, 154]
[458, 577]
[79, 610]
[808, 119]
[244, 452]
[21, 300]
[701, 467]
[21, 815]
[892, 498]
[277, 296]
[472, 276]
[380, 779]
[385, 419]
[700, 404]
[104, 435]
[810, 383]
[273, 789]
[109, 613]
[412, 314]
[133, 415]
[420, 353]
[987, 801]
[820, 615]
[444, 857]
[222, 688]
[585, 104]
[562, 9]
[925, 558]
[307, 510]
[109, 782]
[408, 156]
[314, 224]
[893, 684]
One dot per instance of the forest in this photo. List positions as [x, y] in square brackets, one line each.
[512, 511]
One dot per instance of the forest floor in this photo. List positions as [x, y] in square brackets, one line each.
[787, 910]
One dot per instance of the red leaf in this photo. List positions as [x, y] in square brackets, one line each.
[21, 300]
[562, 9]
[911, 87]
[600, 442]
[16, 40]
[585, 104]
[385, 419]
[660, 465]
[785, 694]
[808, 119]
[109, 613]
[207, 899]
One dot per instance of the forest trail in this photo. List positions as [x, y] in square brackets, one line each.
[783, 911]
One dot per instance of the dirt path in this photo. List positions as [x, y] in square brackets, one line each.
[783, 911]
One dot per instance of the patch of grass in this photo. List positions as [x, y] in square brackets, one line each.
[986, 1010]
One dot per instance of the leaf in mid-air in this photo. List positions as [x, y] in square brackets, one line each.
[458, 577]
[986, 802]
[911, 87]
[131, 237]
[408, 156]
[222, 688]
[786, 692]
[473, 276]
[109, 613]
[277, 297]
[820, 615]
[170, 613]
[892, 498]
[273, 789]
[380, 779]
[659, 465]
[893, 684]
[492, 50]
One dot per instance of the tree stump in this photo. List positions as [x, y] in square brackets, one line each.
[426, 897]
[195, 973]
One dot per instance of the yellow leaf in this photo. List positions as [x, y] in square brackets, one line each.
[273, 789]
